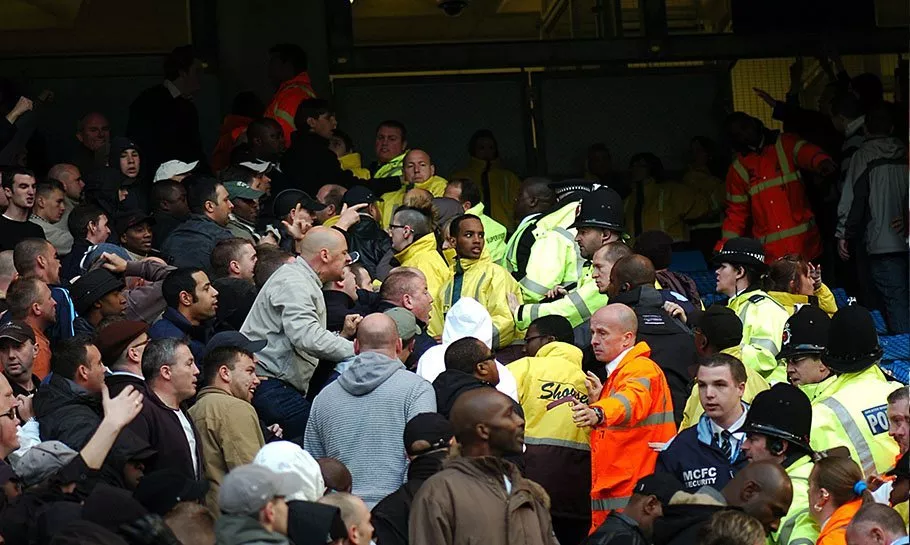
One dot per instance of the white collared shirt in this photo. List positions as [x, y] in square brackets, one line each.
[169, 85]
[736, 437]
[615, 362]
[140, 377]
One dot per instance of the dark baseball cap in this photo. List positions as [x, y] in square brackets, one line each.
[18, 331]
[660, 485]
[433, 428]
[288, 199]
[359, 195]
[235, 339]
[242, 190]
[161, 490]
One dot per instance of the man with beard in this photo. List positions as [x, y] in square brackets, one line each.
[224, 414]
[464, 503]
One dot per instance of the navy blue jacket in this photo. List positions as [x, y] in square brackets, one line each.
[695, 461]
[173, 325]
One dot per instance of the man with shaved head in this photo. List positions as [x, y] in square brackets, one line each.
[761, 490]
[359, 419]
[628, 413]
[671, 341]
[463, 503]
[418, 171]
[289, 313]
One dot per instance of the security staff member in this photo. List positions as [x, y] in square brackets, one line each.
[777, 429]
[804, 339]
[853, 409]
[599, 222]
[710, 453]
[740, 265]
[555, 259]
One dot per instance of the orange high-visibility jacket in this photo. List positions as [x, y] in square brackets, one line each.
[637, 411]
[287, 98]
[766, 188]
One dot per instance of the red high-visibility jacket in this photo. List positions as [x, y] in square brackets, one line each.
[287, 98]
[637, 411]
[767, 189]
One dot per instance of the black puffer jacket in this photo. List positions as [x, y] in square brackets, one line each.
[367, 238]
[390, 516]
[449, 385]
[618, 528]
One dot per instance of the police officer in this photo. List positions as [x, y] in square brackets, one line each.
[740, 265]
[555, 259]
[777, 429]
[599, 222]
[804, 339]
[853, 409]
[710, 453]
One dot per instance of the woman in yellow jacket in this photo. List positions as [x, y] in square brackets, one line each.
[793, 281]
[837, 490]
[498, 186]
[475, 275]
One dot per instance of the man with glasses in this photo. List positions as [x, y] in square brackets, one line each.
[297, 335]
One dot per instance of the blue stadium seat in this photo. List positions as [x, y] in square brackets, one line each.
[898, 370]
[879, 321]
[840, 297]
[705, 281]
[896, 347]
[689, 261]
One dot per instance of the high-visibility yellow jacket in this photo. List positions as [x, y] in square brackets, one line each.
[551, 437]
[486, 282]
[494, 234]
[351, 162]
[822, 298]
[511, 260]
[763, 321]
[709, 187]
[813, 390]
[422, 254]
[853, 412]
[797, 527]
[577, 306]
[286, 100]
[503, 186]
[393, 199]
[637, 410]
[667, 207]
[392, 168]
[555, 258]
[754, 384]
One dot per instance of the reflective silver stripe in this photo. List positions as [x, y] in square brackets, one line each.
[736, 198]
[565, 234]
[626, 404]
[580, 305]
[656, 418]
[800, 541]
[552, 442]
[782, 156]
[495, 337]
[741, 170]
[609, 504]
[480, 284]
[579, 262]
[646, 382]
[853, 433]
[533, 286]
[535, 311]
[767, 344]
[783, 538]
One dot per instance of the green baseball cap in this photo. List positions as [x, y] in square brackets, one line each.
[242, 190]
[405, 322]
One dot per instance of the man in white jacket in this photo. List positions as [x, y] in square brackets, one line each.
[466, 318]
[289, 313]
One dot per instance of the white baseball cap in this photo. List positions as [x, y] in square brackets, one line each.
[257, 165]
[169, 169]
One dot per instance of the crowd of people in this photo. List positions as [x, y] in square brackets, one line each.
[274, 343]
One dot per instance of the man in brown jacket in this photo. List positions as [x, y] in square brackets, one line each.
[479, 497]
[228, 426]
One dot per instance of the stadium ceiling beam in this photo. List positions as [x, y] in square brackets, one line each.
[552, 53]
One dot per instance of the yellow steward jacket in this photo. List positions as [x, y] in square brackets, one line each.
[754, 384]
[577, 306]
[555, 258]
[822, 298]
[352, 162]
[667, 207]
[637, 411]
[797, 527]
[494, 234]
[558, 454]
[393, 199]
[392, 168]
[853, 412]
[710, 188]
[422, 254]
[486, 282]
[503, 186]
[763, 321]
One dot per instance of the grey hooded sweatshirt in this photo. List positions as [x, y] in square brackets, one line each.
[875, 194]
[359, 419]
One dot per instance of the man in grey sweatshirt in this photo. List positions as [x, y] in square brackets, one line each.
[359, 419]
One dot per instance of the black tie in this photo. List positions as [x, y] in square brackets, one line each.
[723, 441]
